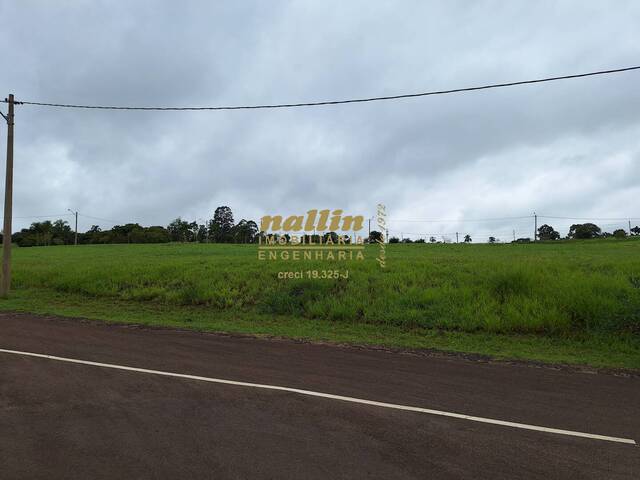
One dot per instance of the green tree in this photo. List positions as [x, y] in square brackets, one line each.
[61, 232]
[179, 230]
[202, 234]
[245, 231]
[374, 237]
[619, 233]
[584, 231]
[330, 235]
[467, 238]
[90, 236]
[221, 226]
[192, 233]
[546, 232]
[42, 231]
[156, 234]
[125, 233]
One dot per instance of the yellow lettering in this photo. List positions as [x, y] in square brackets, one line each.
[351, 222]
[335, 220]
[270, 223]
[311, 219]
[294, 222]
[322, 222]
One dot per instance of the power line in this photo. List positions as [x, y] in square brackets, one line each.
[497, 219]
[58, 215]
[338, 102]
[590, 218]
[461, 220]
[45, 216]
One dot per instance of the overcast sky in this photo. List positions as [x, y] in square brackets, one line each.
[569, 148]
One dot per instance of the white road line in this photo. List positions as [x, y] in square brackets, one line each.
[330, 396]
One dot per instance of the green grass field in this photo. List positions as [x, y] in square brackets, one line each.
[573, 302]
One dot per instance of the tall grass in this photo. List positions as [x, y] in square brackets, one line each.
[556, 288]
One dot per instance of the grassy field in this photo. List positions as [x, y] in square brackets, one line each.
[574, 302]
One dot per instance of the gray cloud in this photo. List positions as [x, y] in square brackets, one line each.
[565, 149]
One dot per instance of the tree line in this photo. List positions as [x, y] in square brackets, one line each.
[578, 231]
[223, 229]
[219, 229]
[584, 231]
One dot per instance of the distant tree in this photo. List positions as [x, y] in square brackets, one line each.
[252, 229]
[420, 240]
[432, 239]
[317, 238]
[492, 239]
[394, 240]
[467, 238]
[635, 230]
[523, 240]
[129, 233]
[407, 240]
[90, 236]
[246, 231]
[202, 234]
[136, 233]
[156, 234]
[584, 231]
[179, 230]
[42, 232]
[192, 233]
[221, 226]
[619, 233]
[546, 232]
[375, 236]
[333, 236]
[61, 232]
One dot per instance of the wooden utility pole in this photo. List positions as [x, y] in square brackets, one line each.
[5, 285]
[457, 237]
[535, 228]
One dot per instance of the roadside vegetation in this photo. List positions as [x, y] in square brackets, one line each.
[575, 301]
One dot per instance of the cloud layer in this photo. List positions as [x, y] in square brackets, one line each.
[565, 149]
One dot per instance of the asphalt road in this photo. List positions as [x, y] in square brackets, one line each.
[67, 420]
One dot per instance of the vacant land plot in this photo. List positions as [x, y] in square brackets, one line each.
[571, 301]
